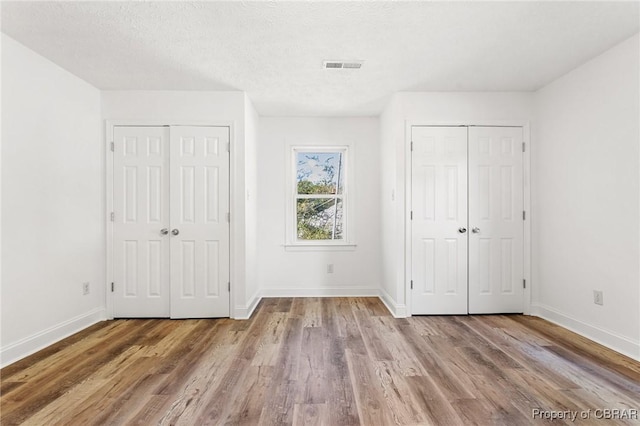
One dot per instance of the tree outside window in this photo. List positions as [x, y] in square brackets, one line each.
[319, 194]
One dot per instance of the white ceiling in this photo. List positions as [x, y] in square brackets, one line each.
[274, 50]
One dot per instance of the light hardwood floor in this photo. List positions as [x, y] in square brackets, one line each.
[319, 361]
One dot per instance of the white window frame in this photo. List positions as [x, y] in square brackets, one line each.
[292, 241]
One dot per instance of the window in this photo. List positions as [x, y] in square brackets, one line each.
[319, 207]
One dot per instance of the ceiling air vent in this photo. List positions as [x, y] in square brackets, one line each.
[332, 65]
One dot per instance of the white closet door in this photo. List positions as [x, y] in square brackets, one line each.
[141, 212]
[199, 224]
[438, 228]
[495, 220]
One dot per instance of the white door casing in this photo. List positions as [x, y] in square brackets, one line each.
[141, 211]
[439, 223]
[171, 178]
[199, 212]
[496, 223]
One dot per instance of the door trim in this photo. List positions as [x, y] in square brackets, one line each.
[526, 169]
[109, 193]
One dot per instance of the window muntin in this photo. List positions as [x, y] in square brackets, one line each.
[320, 195]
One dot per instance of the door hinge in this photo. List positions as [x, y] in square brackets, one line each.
[524, 283]
[523, 147]
[411, 216]
[229, 147]
[112, 287]
[411, 284]
[113, 216]
[411, 145]
[229, 217]
[524, 215]
[113, 147]
[229, 286]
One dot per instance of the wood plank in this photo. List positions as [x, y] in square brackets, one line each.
[481, 412]
[311, 368]
[336, 313]
[256, 387]
[279, 403]
[52, 383]
[206, 397]
[625, 384]
[332, 361]
[83, 394]
[400, 351]
[64, 353]
[436, 368]
[401, 402]
[284, 304]
[505, 399]
[525, 351]
[312, 315]
[434, 405]
[341, 400]
[310, 415]
[51, 352]
[376, 347]
[98, 408]
[582, 346]
[368, 395]
[152, 409]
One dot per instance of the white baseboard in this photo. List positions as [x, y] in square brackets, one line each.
[396, 309]
[321, 292]
[29, 345]
[607, 338]
[245, 312]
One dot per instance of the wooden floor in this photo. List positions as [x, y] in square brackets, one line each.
[319, 361]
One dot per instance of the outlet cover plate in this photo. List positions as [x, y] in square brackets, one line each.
[598, 298]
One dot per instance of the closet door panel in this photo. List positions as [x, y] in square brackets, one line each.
[199, 222]
[495, 220]
[171, 230]
[141, 212]
[439, 208]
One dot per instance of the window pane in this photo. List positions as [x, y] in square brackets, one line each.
[320, 172]
[319, 218]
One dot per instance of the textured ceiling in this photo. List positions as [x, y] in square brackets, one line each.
[274, 50]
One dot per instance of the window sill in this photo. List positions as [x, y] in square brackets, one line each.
[320, 247]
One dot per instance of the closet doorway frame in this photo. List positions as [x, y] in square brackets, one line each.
[109, 193]
[526, 169]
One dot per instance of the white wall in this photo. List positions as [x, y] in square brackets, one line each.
[416, 108]
[297, 273]
[391, 210]
[190, 107]
[52, 203]
[586, 199]
[251, 126]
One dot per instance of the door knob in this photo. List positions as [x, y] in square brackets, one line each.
[476, 230]
[164, 231]
[462, 230]
[175, 231]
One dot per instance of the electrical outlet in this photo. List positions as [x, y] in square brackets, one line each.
[85, 288]
[597, 297]
[329, 268]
